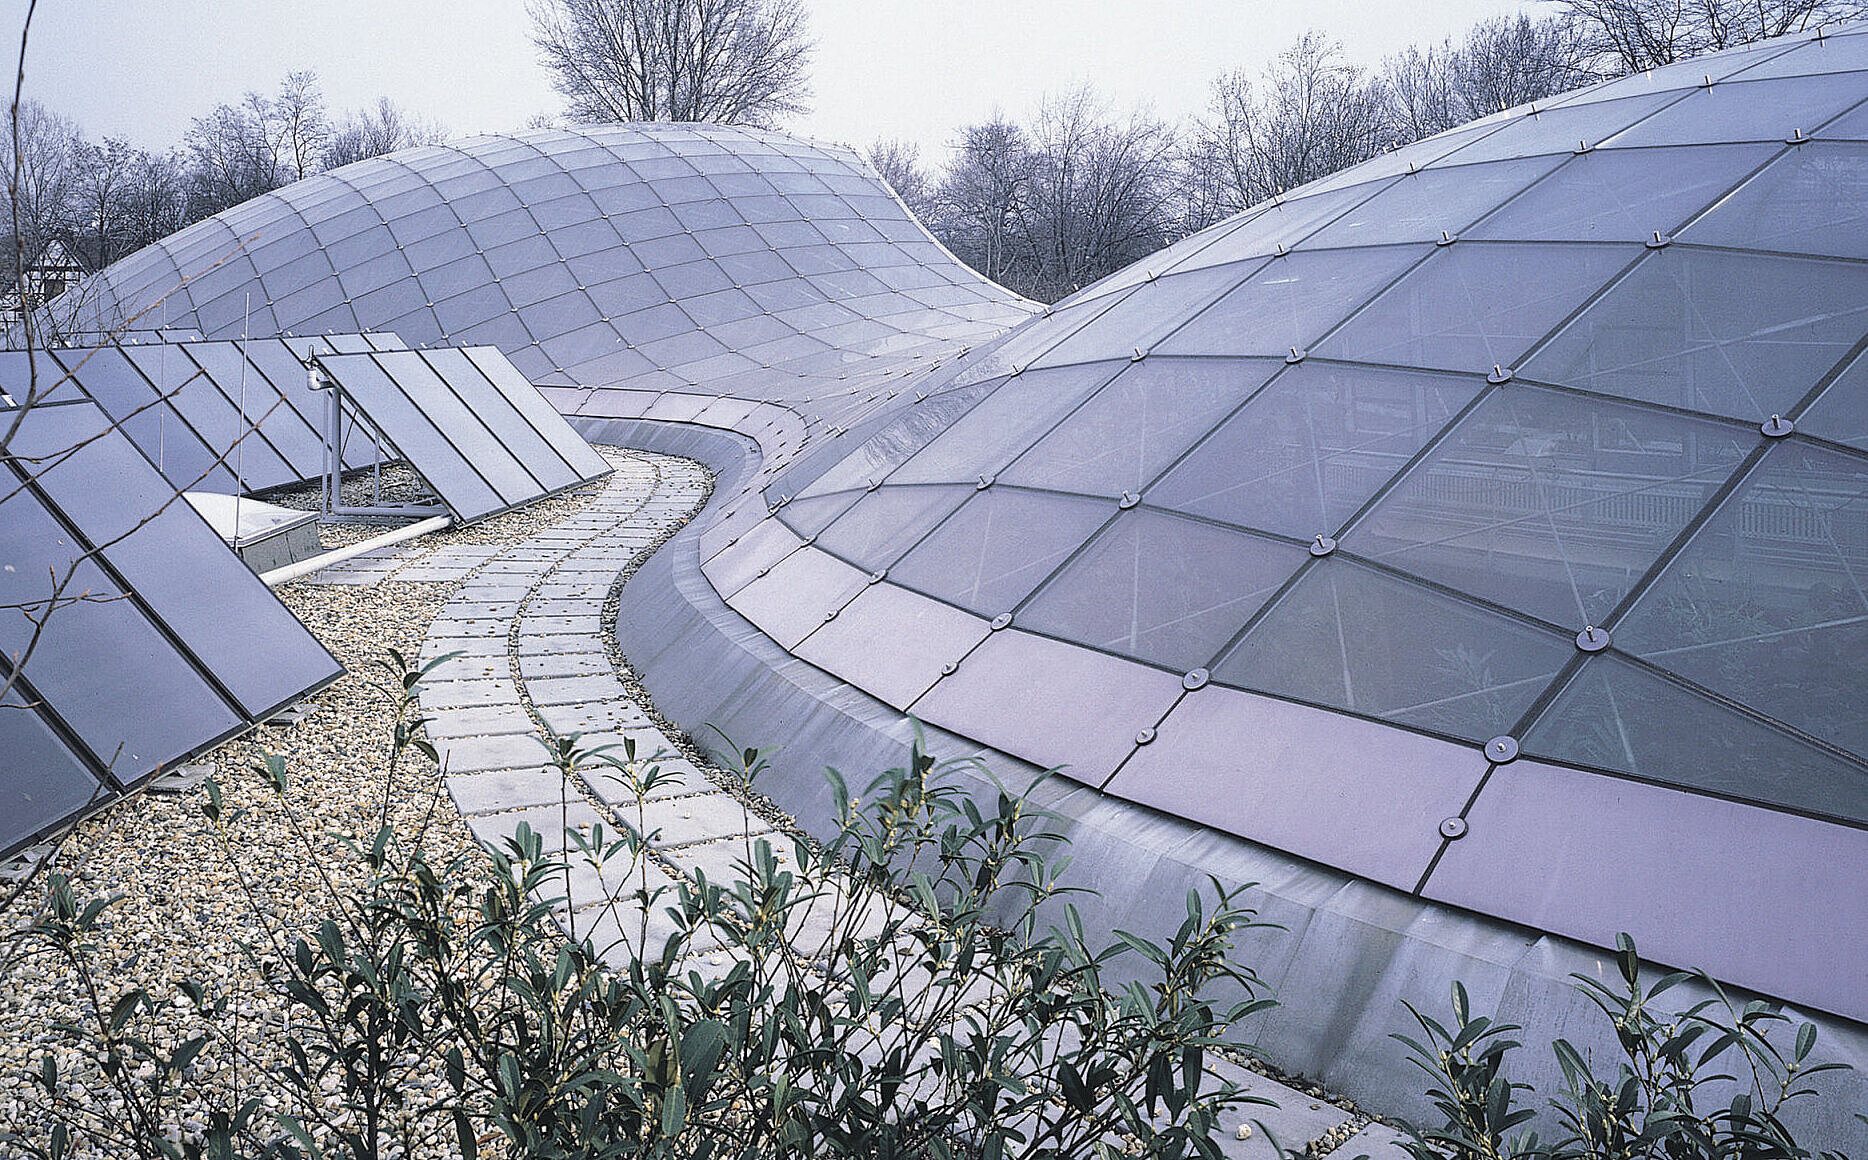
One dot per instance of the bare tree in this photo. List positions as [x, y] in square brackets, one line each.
[297, 118]
[1500, 64]
[1311, 114]
[980, 200]
[899, 164]
[723, 61]
[1625, 36]
[1097, 194]
[374, 132]
[43, 157]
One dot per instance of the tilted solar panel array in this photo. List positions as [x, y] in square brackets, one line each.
[131, 638]
[231, 417]
[470, 424]
[1541, 437]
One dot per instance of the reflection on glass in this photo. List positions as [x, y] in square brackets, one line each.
[1311, 448]
[999, 546]
[1350, 637]
[1162, 589]
[1550, 504]
[1616, 716]
[1768, 604]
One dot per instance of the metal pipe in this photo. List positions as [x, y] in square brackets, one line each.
[279, 576]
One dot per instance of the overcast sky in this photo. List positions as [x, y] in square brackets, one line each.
[914, 69]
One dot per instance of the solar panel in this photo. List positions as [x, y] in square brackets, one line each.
[136, 638]
[227, 417]
[482, 436]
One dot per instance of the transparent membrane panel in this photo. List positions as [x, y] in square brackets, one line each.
[1350, 637]
[1744, 335]
[1422, 206]
[1618, 716]
[879, 526]
[1811, 200]
[1475, 305]
[1162, 588]
[1622, 196]
[1550, 504]
[1291, 301]
[998, 546]
[1311, 448]
[1126, 433]
[1768, 603]
[999, 427]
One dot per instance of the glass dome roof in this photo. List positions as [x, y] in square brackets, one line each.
[1547, 432]
[654, 257]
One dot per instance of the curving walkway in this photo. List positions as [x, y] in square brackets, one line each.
[528, 626]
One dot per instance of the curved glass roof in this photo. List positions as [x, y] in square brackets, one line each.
[1546, 432]
[654, 257]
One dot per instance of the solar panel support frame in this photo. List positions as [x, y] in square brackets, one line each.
[338, 407]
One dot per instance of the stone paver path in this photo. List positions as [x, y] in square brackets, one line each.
[530, 655]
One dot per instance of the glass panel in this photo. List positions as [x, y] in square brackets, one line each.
[1560, 130]
[1840, 413]
[513, 431]
[1138, 424]
[1616, 716]
[171, 558]
[1144, 316]
[1290, 301]
[1285, 223]
[1609, 196]
[1162, 588]
[1742, 111]
[569, 445]
[1812, 200]
[999, 546]
[46, 782]
[986, 438]
[908, 432]
[193, 395]
[156, 429]
[1550, 504]
[883, 524]
[1310, 450]
[261, 406]
[102, 666]
[1349, 637]
[1420, 206]
[1745, 335]
[1475, 305]
[1830, 54]
[1768, 604]
[392, 412]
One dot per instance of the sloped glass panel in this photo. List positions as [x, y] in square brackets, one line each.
[46, 782]
[1828, 55]
[908, 432]
[132, 699]
[1421, 206]
[1290, 301]
[510, 426]
[1287, 223]
[1812, 200]
[1611, 196]
[874, 532]
[1550, 504]
[992, 434]
[1144, 316]
[1349, 637]
[262, 406]
[1138, 424]
[153, 425]
[193, 395]
[440, 462]
[1560, 130]
[1840, 413]
[1742, 110]
[170, 558]
[999, 546]
[1310, 449]
[1768, 604]
[1161, 588]
[1617, 716]
[1474, 305]
[1744, 335]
